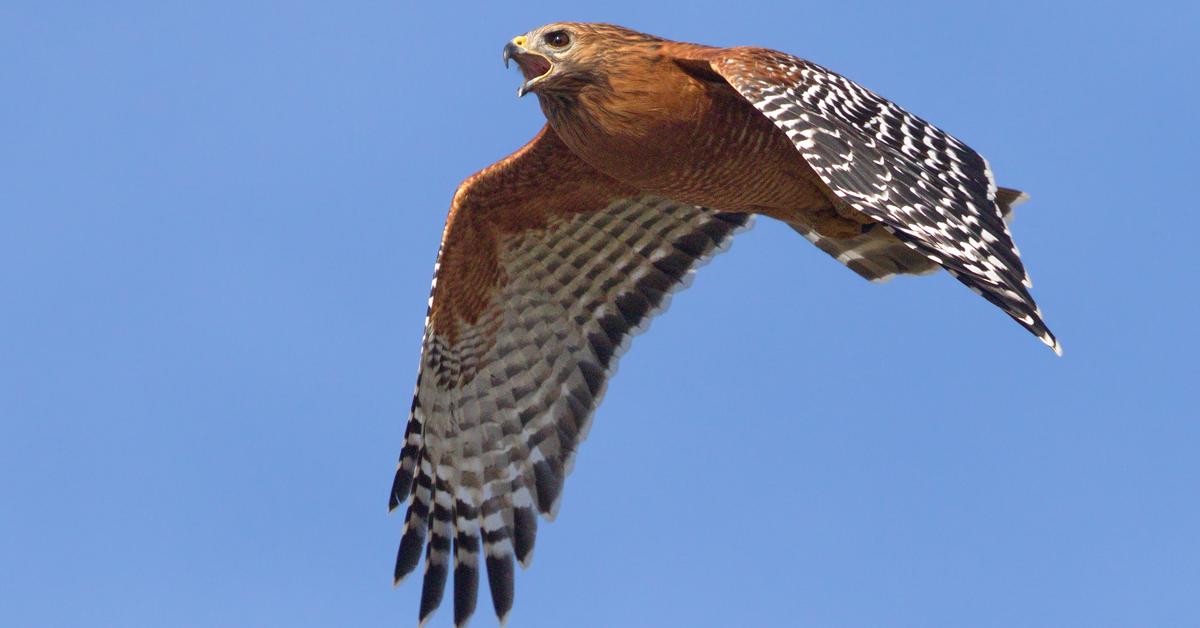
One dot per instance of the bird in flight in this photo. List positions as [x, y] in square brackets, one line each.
[655, 153]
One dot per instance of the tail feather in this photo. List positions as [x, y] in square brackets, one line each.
[1007, 199]
[877, 255]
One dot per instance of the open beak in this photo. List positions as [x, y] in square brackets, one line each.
[533, 66]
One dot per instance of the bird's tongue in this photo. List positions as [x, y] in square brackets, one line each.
[533, 66]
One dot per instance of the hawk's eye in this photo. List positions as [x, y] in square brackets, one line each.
[557, 39]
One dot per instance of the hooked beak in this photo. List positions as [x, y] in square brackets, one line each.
[533, 66]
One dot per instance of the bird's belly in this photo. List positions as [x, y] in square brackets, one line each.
[757, 172]
[729, 158]
[737, 181]
[720, 153]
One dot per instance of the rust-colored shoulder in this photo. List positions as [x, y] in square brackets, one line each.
[526, 190]
[718, 63]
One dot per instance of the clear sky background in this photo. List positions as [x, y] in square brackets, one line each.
[217, 226]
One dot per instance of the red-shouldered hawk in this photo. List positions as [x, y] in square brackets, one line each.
[655, 154]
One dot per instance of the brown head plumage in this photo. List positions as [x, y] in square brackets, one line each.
[561, 59]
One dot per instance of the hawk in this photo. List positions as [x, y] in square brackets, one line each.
[655, 153]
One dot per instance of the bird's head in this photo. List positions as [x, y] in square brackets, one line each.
[565, 56]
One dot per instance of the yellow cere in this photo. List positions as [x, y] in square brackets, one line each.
[519, 41]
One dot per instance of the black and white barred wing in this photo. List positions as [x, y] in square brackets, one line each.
[506, 392]
[928, 189]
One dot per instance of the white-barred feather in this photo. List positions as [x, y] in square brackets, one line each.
[930, 190]
[507, 406]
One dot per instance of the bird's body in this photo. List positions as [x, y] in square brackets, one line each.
[663, 130]
[654, 155]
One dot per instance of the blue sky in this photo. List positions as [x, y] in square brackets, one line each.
[217, 226]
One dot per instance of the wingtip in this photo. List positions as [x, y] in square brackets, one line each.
[552, 513]
[393, 498]
[427, 615]
[527, 560]
[1053, 343]
[398, 579]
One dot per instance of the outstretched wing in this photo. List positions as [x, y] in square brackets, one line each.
[545, 270]
[930, 190]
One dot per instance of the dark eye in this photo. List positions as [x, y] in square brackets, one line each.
[557, 39]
